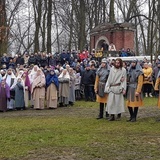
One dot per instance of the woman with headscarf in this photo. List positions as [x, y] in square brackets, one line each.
[32, 74]
[64, 79]
[38, 90]
[11, 80]
[72, 86]
[27, 86]
[19, 94]
[5, 94]
[52, 85]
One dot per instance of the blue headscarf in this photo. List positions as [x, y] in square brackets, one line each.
[52, 79]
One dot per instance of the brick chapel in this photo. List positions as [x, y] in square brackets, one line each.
[122, 35]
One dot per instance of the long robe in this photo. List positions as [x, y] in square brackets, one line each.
[63, 93]
[52, 96]
[27, 88]
[63, 90]
[115, 85]
[38, 91]
[5, 93]
[19, 96]
[11, 80]
[72, 88]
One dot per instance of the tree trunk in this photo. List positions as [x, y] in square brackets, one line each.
[111, 12]
[71, 28]
[37, 16]
[43, 29]
[82, 36]
[49, 25]
[56, 21]
[4, 28]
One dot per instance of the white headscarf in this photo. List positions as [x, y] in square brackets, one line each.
[67, 76]
[32, 74]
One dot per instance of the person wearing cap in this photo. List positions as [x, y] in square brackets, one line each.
[116, 89]
[134, 91]
[101, 79]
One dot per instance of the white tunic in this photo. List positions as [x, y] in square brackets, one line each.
[115, 85]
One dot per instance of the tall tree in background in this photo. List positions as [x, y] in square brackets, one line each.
[49, 25]
[37, 5]
[111, 12]
[3, 28]
[82, 23]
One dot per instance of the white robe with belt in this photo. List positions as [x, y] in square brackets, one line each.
[115, 103]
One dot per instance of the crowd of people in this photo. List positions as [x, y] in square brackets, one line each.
[44, 80]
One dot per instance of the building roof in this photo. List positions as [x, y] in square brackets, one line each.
[112, 26]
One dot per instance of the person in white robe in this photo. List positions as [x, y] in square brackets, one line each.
[63, 94]
[116, 88]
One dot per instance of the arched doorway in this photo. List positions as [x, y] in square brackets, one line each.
[100, 41]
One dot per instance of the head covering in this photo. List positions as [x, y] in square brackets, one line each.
[52, 79]
[134, 61]
[104, 60]
[67, 76]
[27, 81]
[7, 88]
[138, 69]
[33, 73]
[87, 65]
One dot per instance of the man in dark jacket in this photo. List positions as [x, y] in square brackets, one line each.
[63, 57]
[19, 60]
[88, 79]
[43, 60]
[4, 60]
[32, 60]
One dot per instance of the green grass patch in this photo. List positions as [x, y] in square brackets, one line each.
[72, 134]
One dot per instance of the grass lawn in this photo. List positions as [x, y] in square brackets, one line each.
[73, 133]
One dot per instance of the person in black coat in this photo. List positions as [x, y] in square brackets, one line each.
[19, 60]
[88, 79]
[4, 60]
[44, 60]
[63, 57]
[32, 60]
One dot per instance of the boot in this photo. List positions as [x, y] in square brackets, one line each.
[135, 114]
[119, 116]
[130, 109]
[112, 118]
[101, 109]
[150, 95]
[107, 115]
[133, 119]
